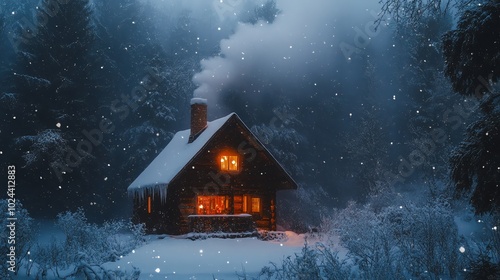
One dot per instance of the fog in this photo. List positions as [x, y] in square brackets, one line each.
[340, 98]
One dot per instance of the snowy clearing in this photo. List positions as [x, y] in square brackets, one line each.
[212, 258]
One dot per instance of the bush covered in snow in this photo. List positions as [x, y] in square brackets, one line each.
[391, 242]
[403, 241]
[24, 232]
[314, 262]
[86, 246]
[484, 250]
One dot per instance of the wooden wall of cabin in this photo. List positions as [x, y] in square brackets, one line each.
[266, 219]
[162, 217]
[171, 216]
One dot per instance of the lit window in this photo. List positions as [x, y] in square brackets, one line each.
[229, 163]
[149, 205]
[245, 204]
[255, 204]
[212, 204]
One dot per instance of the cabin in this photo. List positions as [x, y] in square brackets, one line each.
[214, 177]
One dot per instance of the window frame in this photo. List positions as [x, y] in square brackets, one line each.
[210, 208]
[225, 162]
[259, 204]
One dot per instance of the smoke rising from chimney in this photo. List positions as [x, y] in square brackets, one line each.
[301, 40]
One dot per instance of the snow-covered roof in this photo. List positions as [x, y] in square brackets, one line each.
[173, 158]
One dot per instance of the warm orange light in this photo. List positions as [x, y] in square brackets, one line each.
[245, 203]
[212, 204]
[149, 205]
[229, 163]
[255, 204]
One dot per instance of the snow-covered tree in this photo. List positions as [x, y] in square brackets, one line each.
[86, 246]
[53, 80]
[184, 42]
[366, 150]
[476, 162]
[402, 241]
[266, 12]
[21, 236]
[473, 66]
[471, 50]
[471, 62]
[411, 12]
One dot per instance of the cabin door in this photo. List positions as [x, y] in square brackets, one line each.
[240, 204]
[247, 204]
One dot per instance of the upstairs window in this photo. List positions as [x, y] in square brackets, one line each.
[229, 163]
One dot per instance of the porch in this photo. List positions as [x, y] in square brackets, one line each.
[221, 223]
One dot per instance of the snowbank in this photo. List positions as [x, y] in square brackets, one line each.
[176, 258]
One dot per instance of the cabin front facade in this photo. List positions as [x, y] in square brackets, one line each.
[216, 176]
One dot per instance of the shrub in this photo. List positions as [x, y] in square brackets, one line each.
[24, 232]
[313, 263]
[402, 241]
[86, 246]
[389, 242]
[483, 268]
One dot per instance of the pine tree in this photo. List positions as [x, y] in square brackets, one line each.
[471, 62]
[476, 162]
[145, 84]
[53, 75]
[184, 42]
[473, 65]
[471, 50]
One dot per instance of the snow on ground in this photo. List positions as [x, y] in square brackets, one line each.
[212, 258]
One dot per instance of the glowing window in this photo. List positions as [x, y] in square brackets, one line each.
[229, 163]
[255, 204]
[212, 204]
[149, 205]
[245, 204]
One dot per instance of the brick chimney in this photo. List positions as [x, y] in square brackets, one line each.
[198, 117]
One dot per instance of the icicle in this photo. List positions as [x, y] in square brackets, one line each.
[141, 193]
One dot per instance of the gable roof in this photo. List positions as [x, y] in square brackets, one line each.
[177, 154]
